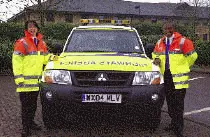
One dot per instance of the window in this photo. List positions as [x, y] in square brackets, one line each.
[104, 41]
[197, 36]
[69, 18]
[205, 24]
[205, 37]
[84, 16]
[101, 17]
[115, 18]
[154, 20]
[50, 17]
[197, 23]
[105, 19]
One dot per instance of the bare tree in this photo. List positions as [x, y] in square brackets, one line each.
[12, 7]
[195, 11]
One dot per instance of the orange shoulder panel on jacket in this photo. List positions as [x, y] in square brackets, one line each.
[159, 46]
[19, 47]
[156, 47]
[187, 46]
[43, 46]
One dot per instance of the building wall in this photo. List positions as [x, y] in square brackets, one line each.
[202, 30]
[76, 18]
[33, 16]
[59, 18]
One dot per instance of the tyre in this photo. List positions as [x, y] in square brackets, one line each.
[49, 115]
[153, 119]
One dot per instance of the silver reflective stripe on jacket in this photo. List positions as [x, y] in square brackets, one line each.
[190, 53]
[159, 42]
[25, 46]
[42, 53]
[171, 52]
[18, 53]
[28, 85]
[181, 83]
[180, 75]
[18, 76]
[181, 43]
[33, 53]
[175, 52]
[32, 77]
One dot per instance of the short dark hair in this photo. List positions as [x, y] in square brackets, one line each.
[31, 21]
[169, 23]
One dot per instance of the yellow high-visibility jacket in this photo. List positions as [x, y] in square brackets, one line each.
[182, 56]
[27, 61]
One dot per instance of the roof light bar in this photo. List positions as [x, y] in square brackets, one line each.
[104, 21]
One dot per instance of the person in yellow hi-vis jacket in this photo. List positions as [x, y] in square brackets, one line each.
[29, 56]
[175, 55]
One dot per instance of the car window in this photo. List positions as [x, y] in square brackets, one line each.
[104, 41]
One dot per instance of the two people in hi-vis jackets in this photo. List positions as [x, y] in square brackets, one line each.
[175, 55]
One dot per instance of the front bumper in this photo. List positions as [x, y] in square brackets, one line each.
[70, 97]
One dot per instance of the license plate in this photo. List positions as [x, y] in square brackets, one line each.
[106, 98]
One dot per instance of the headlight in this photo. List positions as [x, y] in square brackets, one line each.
[57, 76]
[147, 78]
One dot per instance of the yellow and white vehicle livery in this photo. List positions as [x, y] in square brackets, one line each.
[102, 67]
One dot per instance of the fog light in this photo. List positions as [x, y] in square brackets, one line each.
[155, 97]
[49, 95]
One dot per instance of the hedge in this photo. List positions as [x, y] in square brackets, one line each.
[203, 50]
[57, 33]
[6, 49]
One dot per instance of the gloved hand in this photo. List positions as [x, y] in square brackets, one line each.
[157, 61]
[53, 58]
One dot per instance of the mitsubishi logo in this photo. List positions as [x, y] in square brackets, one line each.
[102, 77]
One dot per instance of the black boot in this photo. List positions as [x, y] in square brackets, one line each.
[179, 132]
[170, 127]
[34, 126]
[25, 132]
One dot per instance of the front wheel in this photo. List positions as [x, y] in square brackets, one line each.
[153, 119]
[49, 115]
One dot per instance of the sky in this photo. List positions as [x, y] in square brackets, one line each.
[155, 1]
[15, 6]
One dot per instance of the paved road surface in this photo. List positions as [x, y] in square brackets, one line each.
[196, 125]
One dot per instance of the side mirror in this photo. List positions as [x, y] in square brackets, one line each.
[57, 49]
[149, 49]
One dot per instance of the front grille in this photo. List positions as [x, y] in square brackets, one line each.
[101, 78]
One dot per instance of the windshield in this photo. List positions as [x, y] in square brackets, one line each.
[104, 41]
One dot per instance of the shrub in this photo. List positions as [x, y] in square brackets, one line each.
[203, 50]
[58, 33]
[148, 28]
[11, 31]
[6, 48]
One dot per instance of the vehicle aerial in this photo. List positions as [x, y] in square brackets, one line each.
[102, 70]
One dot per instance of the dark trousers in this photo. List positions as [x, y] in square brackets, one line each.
[175, 102]
[28, 107]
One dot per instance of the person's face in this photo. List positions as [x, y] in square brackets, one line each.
[168, 30]
[32, 29]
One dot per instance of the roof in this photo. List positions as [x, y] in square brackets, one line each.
[110, 6]
[121, 7]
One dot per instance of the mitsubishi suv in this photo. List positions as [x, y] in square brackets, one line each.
[103, 71]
